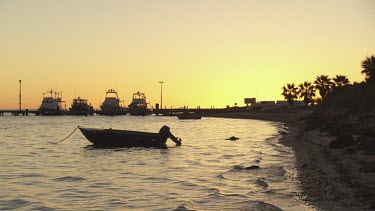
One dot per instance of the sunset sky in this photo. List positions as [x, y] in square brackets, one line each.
[207, 52]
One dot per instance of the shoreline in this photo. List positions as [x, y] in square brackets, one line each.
[329, 178]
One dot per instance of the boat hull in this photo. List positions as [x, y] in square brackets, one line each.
[50, 112]
[122, 138]
[80, 113]
[138, 111]
[189, 116]
[112, 111]
[81, 109]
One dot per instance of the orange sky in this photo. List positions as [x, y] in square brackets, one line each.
[207, 52]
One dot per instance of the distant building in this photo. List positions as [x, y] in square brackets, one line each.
[270, 105]
[299, 103]
[264, 105]
[251, 101]
[282, 103]
[285, 104]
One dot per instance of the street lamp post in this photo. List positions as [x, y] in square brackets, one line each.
[161, 94]
[20, 98]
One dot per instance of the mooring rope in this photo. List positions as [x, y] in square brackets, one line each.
[67, 136]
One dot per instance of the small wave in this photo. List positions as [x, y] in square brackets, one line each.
[159, 179]
[221, 176]
[265, 206]
[23, 204]
[116, 202]
[228, 156]
[261, 182]
[271, 139]
[106, 185]
[238, 167]
[182, 208]
[41, 208]
[32, 175]
[14, 204]
[215, 191]
[188, 184]
[70, 179]
[234, 195]
[278, 171]
[227, 203]
[241, 167]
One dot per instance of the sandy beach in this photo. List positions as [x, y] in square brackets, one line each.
[330, 179]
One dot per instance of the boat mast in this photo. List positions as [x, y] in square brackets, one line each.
[20, 97]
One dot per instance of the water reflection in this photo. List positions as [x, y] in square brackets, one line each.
[199, 174]
[120, 148]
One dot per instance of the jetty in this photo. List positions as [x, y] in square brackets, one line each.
[157, 112]
[16, 112]
[198, 110]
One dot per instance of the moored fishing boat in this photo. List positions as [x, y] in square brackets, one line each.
[126, 138]
[187, 115]
[138, 106]
[51, 104]
[80, 107]
[112, 104]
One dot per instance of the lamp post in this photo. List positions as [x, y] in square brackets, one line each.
[20, 95]
[161, 94]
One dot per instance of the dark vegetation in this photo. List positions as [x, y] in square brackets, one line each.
[342, 107]
[346, 111]
[349, 109]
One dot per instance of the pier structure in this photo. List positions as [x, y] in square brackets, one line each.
[159, 112]
[198, 110]
[17, 112]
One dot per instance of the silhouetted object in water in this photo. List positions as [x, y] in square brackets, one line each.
[51, 104]
[232, 138]
[138, 106]
[252, 167]
[187, 115]
[261, 182]
[111, 105]
[127, 138]
[80, 107]
[283, 132]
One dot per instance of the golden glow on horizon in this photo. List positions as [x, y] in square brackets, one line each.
[208, 53]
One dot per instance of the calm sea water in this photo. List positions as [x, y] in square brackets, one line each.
[206, 173]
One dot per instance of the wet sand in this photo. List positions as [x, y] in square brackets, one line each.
[329, 178]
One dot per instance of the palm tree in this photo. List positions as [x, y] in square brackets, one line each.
[290, 93]
[341, 80]
[324, 84]
[306, 91]
[368, 66]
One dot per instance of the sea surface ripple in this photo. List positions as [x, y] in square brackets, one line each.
[207, 172]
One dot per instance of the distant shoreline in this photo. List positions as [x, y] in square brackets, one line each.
[329, 179]
[284, 116]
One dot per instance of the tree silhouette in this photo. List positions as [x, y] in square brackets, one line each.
[324, 84]
[368, 66]
[306, 91]
[341, 80]
[290, 93]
